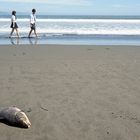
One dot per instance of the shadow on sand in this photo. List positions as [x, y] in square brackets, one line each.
[11, 124]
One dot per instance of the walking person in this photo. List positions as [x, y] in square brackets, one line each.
[14, 25]
[33, 23]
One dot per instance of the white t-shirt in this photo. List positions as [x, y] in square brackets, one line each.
[32, 18]
[13, 18]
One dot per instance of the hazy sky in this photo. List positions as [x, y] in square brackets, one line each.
[82, 7]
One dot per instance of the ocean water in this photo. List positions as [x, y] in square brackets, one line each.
[96, 30]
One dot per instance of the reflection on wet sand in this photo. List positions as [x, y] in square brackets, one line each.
[17, 41]
[33, 41]
[14, 41]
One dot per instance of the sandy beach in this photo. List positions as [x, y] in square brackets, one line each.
[72, 92]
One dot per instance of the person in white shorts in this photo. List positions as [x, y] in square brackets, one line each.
[33, 23]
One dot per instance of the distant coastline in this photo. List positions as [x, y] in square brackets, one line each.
[44, 15]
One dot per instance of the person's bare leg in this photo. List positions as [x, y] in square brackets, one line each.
[11, 32]
[30, 33]
[35, 32]
[17, 32]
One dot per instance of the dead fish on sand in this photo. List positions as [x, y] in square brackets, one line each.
[15, 116]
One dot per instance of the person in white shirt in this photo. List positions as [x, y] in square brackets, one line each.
[33, 23]
[14, 25]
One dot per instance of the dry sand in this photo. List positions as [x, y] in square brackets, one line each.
[72, 92]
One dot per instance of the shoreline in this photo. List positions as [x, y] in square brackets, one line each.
[73, 92]
[66, 39]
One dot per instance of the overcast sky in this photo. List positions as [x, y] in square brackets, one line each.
[76, 7]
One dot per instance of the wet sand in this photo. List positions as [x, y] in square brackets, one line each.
[72, 92]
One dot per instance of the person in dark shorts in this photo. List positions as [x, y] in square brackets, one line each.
[33, 23]
[14, 25]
